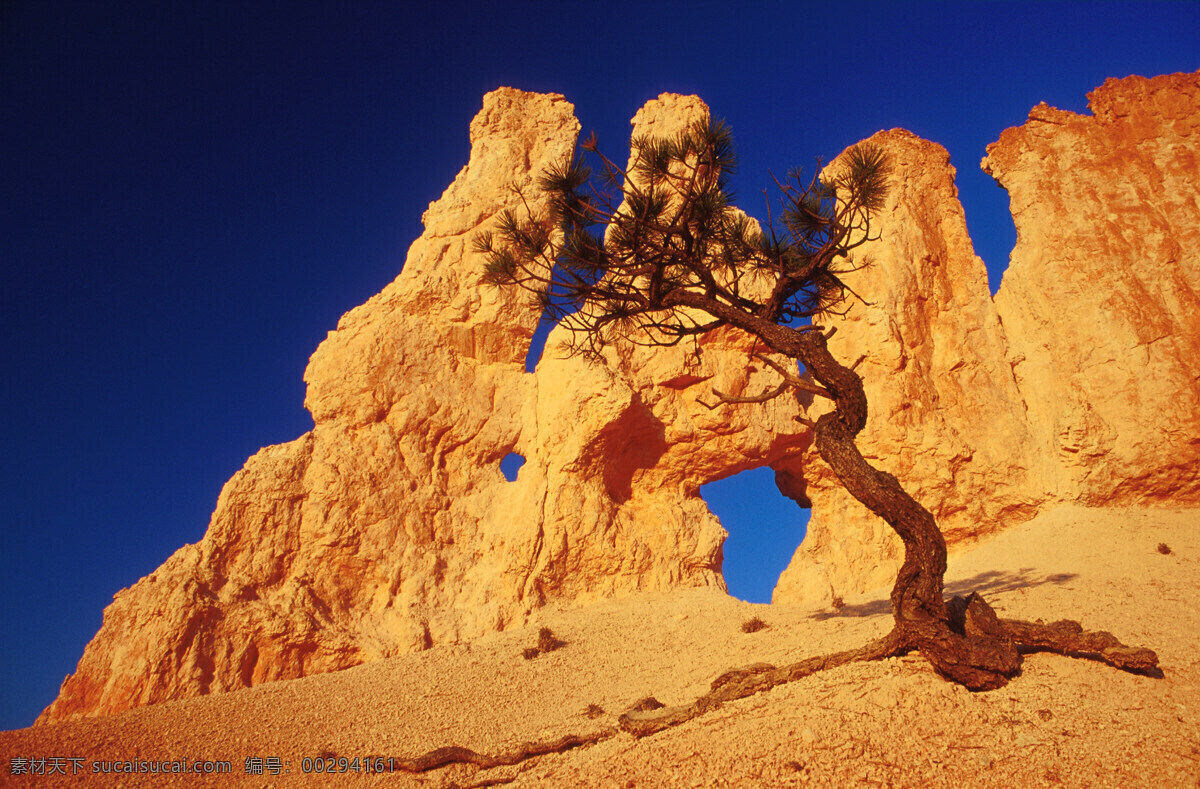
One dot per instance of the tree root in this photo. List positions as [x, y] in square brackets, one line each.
[1067, 637]
[739, 683]
[982, 652]
[975, 649]
[441, 757]
[978, 650]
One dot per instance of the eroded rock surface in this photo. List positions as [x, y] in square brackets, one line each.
[353, 541]
[389, 527]
[945, 415]
[1078, 383]
[1101, 303]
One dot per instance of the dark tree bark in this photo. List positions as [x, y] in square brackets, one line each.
[964, 640]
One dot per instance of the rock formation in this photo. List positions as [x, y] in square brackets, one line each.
[1101, 303]
[335, 548]
[945, 413]
[1078, 384]
[389, 527]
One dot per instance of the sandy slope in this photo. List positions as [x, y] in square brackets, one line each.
[892, 723]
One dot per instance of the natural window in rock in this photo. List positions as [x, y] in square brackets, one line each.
[764, 526]
[538, 343]
[990, 222]
[510, 465]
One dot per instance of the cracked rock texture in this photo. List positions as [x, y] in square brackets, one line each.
[1078, 383]
[389, 527]
[946, 416]
[1101, 304]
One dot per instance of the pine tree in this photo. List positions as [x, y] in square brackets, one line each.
[657, 255]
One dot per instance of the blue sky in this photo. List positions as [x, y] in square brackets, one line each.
[193, 193]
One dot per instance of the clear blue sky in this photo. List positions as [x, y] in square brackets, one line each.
[194, 192]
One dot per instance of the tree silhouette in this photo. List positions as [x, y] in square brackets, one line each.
[675, 259]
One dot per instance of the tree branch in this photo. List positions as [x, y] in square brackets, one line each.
[794, 381]
[730, 399]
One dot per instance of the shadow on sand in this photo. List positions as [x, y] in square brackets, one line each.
[990, 581]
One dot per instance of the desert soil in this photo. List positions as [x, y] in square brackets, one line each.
[1062, 722]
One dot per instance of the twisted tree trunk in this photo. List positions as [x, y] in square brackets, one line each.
[963, 641]
[962, 638]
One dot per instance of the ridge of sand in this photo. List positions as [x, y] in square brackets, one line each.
[892, 723]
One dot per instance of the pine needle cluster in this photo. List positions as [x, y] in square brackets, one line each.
[620, 247]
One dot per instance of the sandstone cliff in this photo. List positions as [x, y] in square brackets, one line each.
[1101, 303]
[1079, 383]
[389, 527]
[945, 414]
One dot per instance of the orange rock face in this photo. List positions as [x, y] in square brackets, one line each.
[1078, 383]
[1101, 303]
[389, 527]
[945, 415]
[339, 547]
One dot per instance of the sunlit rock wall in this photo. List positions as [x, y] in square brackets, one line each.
[1079, 383]
[389, 527]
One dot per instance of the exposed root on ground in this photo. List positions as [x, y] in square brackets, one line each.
[1067, 637]
[440, 757]
[739, 683]
[977, 650]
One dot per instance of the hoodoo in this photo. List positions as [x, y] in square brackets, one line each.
[390, 527]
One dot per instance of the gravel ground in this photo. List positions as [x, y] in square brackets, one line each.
[1062, 722]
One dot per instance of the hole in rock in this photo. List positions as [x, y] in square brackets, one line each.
[538, 343]
[764, 526]
[509, 466]
[990, 223]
